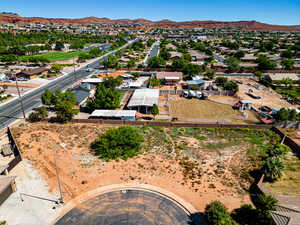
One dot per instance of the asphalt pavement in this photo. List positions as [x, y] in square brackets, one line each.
[128, 207]
[12, 110]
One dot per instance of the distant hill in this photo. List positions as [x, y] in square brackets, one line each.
[246, 25]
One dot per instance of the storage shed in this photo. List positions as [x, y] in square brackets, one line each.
[143, 100]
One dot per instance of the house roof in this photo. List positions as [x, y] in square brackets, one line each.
[165, 75]
[81, 93]
[144, 97]
[93, 80]
[113, 113]
[280, 76]
[34, 71]
[195, 82]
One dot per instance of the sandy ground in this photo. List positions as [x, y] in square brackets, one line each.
[80, 171]
[229, 100]
[195, 110]
[268, 96]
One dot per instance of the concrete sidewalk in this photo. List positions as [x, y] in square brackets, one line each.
[30, 211]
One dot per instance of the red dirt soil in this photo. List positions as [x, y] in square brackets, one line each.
[80, 171]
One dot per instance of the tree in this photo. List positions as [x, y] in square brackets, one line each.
[210, 75]
[95, 52]
[156, 62]
[288, 64]
[11, 58]
[245, 215]
[232, 63]
[190, 69]
[187, 57]
[55, 68]
[131, 63]
[286, 81]
[65, 111]
[165, 54]
[77, 45]
[150, 42]
[239, 54]
[179, 64]
[264, 63]
[123, 142]
[217, 214]
[105, 98]
[287, 115]
[38, 114]
[47, 98]
[83, 56]
[272, 168]
[63, 103]
[111, 82]
[221, 80]
[154, 110]
[154, 82]
[287, 54]
[265, 204]
[111, 62]
[231, 86]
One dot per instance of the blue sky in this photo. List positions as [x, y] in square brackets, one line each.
[285, 12]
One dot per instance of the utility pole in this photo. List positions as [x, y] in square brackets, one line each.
[20, 98]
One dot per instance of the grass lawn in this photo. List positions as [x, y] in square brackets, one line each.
[56, 56]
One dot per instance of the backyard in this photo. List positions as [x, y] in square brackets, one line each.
[199, 165]
[289, 184]
[194, 110]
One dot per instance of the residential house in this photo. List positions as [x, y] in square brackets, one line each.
[143, 100]
[114, 114]
[34, 73]
[169, 78]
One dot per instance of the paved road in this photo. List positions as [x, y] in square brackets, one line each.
[132, 207]
[153, 52]
[12, 110]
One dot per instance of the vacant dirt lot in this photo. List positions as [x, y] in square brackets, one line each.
[195, 110]
[268, 96]
[197, 165]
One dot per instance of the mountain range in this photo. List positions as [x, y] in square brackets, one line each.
[246, 25]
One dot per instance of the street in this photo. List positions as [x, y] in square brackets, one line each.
[12, 110]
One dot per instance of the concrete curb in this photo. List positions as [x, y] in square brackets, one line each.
[187, 207]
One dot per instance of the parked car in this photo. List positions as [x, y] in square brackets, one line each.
[265, 109]
[254, 96]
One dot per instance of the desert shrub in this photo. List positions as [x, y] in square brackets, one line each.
[38, 114]
[123, 142]
[217, 214]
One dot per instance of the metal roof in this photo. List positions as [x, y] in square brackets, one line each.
[113, 113]
[144, 97]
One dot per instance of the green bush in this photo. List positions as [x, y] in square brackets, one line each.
[217, 214]
[272, 168]
[38, 114]
[123, 142]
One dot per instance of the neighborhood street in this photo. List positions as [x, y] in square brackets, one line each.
[12, 110]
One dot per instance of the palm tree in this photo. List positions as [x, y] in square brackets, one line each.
[273, 167]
